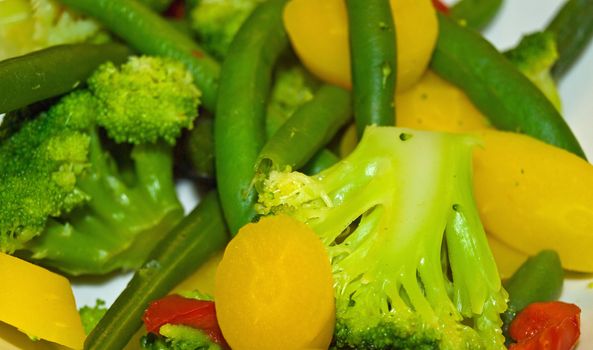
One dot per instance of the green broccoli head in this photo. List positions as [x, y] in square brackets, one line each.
[147, 99]
[91, 315]
[29, 25]
[535, 56]
[293, 86]
[76, 199]
[39, 164]
[411, 264]
[178, 337]
[217, 21]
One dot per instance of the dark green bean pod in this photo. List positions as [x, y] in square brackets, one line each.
[151, 34]
[181, 251]
[497, 88]
[573, 28]
[320, 161]
[539, 279]
[51, 72]
[475, 14]
[374, 63]
[239, 125]
[310, 128]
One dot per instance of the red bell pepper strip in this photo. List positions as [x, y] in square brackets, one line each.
[177, 310]
[546, 326]
[440, 6]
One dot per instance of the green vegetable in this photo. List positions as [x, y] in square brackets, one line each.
[476, 14]
[178, 337]
[157, 5]
[309, 129]
[404, 237]
[72, 200]
[497, 88]
[31, 25]
[52, 72]
[91, 315]
[182, 250]
[239, 129]
[534, 57]
[573, 29]
[320, 161]
[216, 22]
[199, 148]
[292, 87]
[151, 34]
[538, 279]
[374, 64]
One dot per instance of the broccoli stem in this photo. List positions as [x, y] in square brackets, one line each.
[122, 222]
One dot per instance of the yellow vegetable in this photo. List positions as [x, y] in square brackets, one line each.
[507, 259]
[533, 196]
[12, 339]
[435, 104]
[318, 30]
[274, 288]
[38, 302]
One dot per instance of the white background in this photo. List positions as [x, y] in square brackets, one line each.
[516, 18]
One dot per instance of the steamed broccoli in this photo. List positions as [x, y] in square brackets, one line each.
[411, 264]
[91, 315]
[217, 21]
[178, 337]
[81, 202]
[534, 57]
[29, 25]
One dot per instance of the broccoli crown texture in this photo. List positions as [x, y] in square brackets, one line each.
[29, 25]
[76, 200]
[178, 337]
[411, 264]
[535, 56]
[217, 21]
[91, 315]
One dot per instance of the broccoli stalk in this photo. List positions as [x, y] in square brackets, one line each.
[95, 212]
[535, 56]
[411, 263]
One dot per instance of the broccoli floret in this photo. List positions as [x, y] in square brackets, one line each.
[217, 21]
[74, 199]
[534, 57]
[178, 337]
[293, 86]
[31, 25]
[411, 264]
[91, 315]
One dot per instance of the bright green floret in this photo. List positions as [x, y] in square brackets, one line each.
[411, 263]
[91, 315]
[535, 56]
[217, 21]
[76, 200]
[293, 86]
[178, 337]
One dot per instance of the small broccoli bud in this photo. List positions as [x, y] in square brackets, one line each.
[146, 100]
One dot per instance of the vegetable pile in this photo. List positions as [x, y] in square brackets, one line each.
[363, 184]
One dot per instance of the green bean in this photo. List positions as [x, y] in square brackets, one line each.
[497, 88]
[181, 251]
[320, 161]
[151, 34]
[51, 72]
[573, 28]
[239, 125]
[540, 278]
[199, 148]
[157, 5]
[374, 65]
[475, 14]
[310, 128]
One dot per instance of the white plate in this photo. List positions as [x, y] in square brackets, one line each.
[517, 17]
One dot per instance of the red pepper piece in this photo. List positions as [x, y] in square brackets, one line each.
[440, 6]
[546, 326]
[177, 310]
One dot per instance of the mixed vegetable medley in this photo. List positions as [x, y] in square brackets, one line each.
[373, 174]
